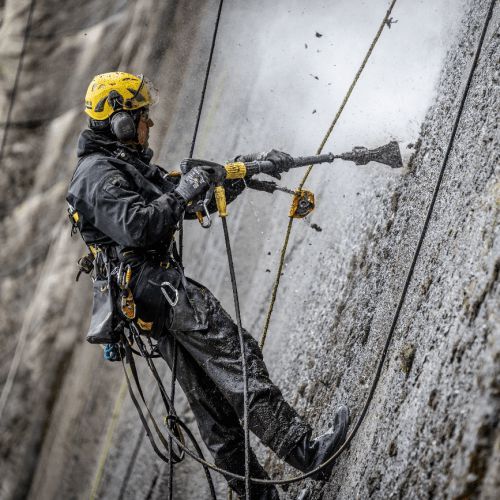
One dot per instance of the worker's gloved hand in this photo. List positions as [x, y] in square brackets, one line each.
[112, 352]
[193, 183]
[216, 173]
[282, 162]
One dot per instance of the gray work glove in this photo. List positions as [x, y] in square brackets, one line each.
[282, 162]
[192, 184]
[216, 173]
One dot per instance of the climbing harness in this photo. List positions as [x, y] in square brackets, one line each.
[181, 229]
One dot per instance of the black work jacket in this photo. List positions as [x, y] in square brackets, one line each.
[128, 204]
[122, 199]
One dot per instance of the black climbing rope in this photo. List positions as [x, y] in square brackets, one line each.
[181, 223]
[170, 442]
[173, 423]
[181, 234]
[200, 108]
[243, 357]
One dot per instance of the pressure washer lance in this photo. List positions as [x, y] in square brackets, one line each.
[303, 202]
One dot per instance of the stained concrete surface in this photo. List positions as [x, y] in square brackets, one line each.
[432, 430]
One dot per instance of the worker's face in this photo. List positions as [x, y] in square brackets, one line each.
[145, 123]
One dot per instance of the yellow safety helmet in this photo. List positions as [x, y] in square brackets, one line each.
[116, 91]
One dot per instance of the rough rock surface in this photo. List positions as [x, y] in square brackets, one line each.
[432, 428]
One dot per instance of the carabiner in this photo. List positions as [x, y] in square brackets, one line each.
[201, 217]
[173, 302]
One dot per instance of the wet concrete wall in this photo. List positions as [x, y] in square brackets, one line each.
[432, 427]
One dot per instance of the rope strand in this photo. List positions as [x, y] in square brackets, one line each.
[105, 452]
[284, 246]
[243, 357]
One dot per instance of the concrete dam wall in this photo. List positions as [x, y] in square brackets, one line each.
[279, 73]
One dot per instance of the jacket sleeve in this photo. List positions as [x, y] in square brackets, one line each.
[124, 216]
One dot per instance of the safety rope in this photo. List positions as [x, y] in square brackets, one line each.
[170, 442]
[13, 95]
[200, 108]
[171, 420]
[243, 357]
[401, 301]
[284, 247]
[181, 223]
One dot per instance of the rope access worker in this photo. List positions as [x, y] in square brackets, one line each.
[129, 209]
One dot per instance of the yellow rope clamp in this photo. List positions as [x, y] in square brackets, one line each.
[302, 204]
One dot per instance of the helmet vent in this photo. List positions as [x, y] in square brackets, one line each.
[99, 107]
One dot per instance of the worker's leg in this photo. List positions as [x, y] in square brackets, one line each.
[218, 423]
[217, 351]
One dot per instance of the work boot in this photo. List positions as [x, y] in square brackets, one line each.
[310, 453]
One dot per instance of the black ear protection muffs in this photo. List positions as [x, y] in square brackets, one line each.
[122, 125]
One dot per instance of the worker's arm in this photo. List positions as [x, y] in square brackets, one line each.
[234, 187]
[283, 162]
[122, 214]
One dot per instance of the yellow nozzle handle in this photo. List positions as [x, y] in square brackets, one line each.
[235, 170]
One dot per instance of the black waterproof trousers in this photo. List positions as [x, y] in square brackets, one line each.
[210, 374]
